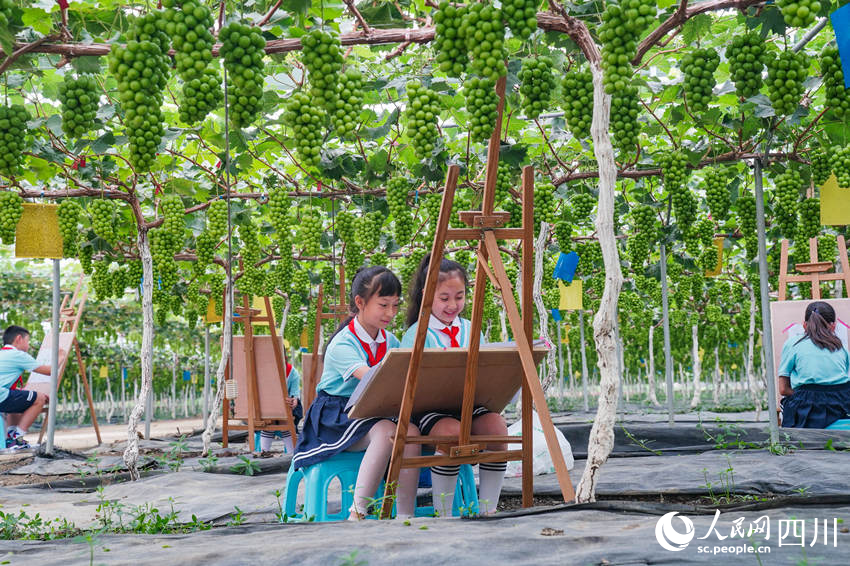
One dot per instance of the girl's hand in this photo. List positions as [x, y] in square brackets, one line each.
[293, 402]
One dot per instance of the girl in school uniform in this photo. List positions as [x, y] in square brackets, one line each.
[293, 387]
[813, 373]
[360, 342]
[447, 329]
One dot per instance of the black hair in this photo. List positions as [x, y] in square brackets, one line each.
[417, 286]
[368, 282]
[819, 315]
[12, 333]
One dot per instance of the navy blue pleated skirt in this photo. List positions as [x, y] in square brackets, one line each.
[328, 430]
[816, 406]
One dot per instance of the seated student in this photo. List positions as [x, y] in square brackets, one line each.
[359, 343]
[21, 406]
[813, 373]
[293, 386]
[447, 329]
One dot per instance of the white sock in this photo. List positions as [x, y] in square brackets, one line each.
[491, 475]
[266, 438]
[443, 484]
[288, 445]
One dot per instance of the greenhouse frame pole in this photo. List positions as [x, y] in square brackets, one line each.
[54, 363]
[767, 342]
[560, 358]
[206, 403]
[665, 313]
[583, 359]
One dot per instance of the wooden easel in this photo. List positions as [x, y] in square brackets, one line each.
[70, 313]
[335, 312]
[485, 226]
[255, 422]
[815, 271]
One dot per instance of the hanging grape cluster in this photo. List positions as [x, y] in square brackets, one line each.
[323, 59]
[544, 204]
[79, 99]
[345, 225]
[841, 165]
[747, 55]
[243, 48]
[505, 180]
[306, 120]
[200, 96]
[521, 17]
[400, 211]
[279, 205]
[368, 230]
[675, 171]
[821, 164]
[622, 25]
[639, 242]
[421, 113]
[837, 97]
[787, 193]
[100, 280]
[716, 193]
[482, 103]
[6, 8]
[68, 214]
[564, 233]
[348, 103]
[577, 88]
[311, 231]
[582, 207]
[13, 134]
[141, 69]
[537, 85]
[449, 42]
[485, 37]
[785, 76]
[809, 219]
[103, 219]
[799, 13]
[698, 66]
[217, 219]
[625, 108]
[11, 208]
[746, 205]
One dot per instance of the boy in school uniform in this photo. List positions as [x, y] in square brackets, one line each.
[21, 406]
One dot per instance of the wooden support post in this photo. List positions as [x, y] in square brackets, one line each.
[472, 358]
[528, 327]
[82, 367]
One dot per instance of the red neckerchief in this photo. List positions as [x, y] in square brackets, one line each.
[382, 346]
[451, 332]
[288, 369]
[19, 384]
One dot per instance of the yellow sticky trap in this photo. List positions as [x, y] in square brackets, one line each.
[734, 367]
[304, 339]
[834, 203]
[718, 268]
[566, 337]
[259, 303]
[571, 295]
[211, 317]
[701, 354]
[104, 372]
[37, 234]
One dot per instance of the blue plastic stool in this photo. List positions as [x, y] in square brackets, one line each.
[345, 466]
[2, 431]
[841, 424]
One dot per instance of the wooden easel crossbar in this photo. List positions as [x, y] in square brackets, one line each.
[255, 422]
[485, 227]
[814, 271]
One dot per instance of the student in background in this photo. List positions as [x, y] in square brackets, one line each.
[293, 386]
[447, 329]
[21, 406]
[360, 342]
[813, 373]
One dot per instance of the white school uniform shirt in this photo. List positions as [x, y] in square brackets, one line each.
[435, 338]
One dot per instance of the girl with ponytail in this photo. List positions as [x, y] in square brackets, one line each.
[813, 373]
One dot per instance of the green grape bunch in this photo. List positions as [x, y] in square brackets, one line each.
[521, 16]
[625, 109]
[717, 193]
[799, 13]
[505, 181]
[537, 85]
[243, 48]
[397, 189]
[544, 204]
[747, 55]
[485, 38]
[204, 250]
[323, 59]
[674, 170]
[809, 218]
[345, 225]
[482, 104]
[746, 206]
[821, 164]
[704, 231]
[577, 101]
[423, 108]
[582, 207]
[306, 120]
[311, 226]
[348, 103]
[189, 30]
[837, 97]
[787, 192]
[11, 209]
[217, 219]
[279, 205]
[368, 230]
[13, 134]
[68, 214]
[785, 75]
[637, 248]
[200, 96]
[6, 9]
[79, 99]
[564, 234]
[622, 25]
[172, 213]
[841, 165]
[103, 219]
[449, 41]
[643, 219]
[699, 66]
